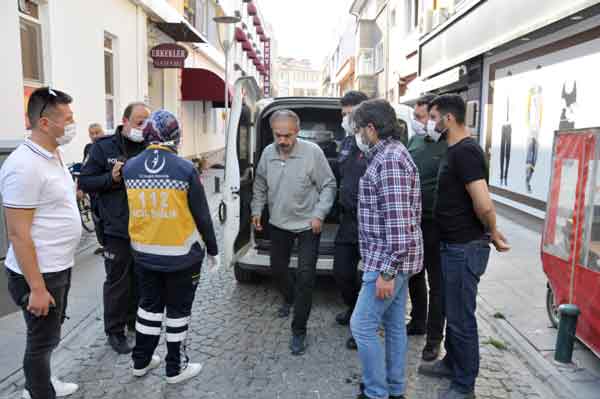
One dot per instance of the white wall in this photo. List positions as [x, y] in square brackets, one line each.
[77, 31]
[11, 75]
[74, 61]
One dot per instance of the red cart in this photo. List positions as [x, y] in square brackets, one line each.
[571, 239]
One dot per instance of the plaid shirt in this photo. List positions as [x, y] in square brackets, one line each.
[389, 211]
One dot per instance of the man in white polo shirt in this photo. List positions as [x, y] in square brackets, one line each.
[44, 229]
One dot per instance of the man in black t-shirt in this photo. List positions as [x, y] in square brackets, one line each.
[466, 217]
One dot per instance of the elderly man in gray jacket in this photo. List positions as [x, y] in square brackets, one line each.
[295, 180]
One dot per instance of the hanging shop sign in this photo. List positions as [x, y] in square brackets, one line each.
[168, 55]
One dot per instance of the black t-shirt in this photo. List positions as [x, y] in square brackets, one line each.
[454, 213]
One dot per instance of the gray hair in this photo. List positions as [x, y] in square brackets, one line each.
[285, 114]
[95, 125]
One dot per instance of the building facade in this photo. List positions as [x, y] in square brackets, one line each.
[297, 78]
[108, 63]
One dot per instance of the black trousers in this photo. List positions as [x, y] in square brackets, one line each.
[421, 316]
[159, 290]
[296, 288]
[43, 333]
[345, 271]
[120, 288]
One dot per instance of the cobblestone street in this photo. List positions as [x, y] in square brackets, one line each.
[244, 350]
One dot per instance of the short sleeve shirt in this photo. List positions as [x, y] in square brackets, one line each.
[454, 211]
[33, 178]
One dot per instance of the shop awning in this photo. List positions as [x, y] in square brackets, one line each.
[252, 9]
[264, 38]
[260, 30]
[181, 32]
[246, 45]
[240, 35]
[252, 54]
[256, 21]
[203, 85]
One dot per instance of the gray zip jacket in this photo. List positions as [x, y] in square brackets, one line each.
[297, 190]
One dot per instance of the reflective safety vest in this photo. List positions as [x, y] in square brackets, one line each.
[162, 228]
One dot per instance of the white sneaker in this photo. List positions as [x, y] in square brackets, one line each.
[192, 370]
[61, 388]
[154, 363]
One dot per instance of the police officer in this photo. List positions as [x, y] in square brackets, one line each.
[168, 214]
[352, 165]
[101, 174]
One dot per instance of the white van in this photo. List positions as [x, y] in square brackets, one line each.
[248, 133]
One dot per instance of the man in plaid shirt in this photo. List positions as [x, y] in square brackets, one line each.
[391, 246]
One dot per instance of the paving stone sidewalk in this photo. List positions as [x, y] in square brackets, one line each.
[244, 349]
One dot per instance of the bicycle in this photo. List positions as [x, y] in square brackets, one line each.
[84, 202]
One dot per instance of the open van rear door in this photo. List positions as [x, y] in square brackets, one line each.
[245, 96]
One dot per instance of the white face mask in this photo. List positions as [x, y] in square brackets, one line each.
[364, 147]
[68, 136]
[347, 125]
[136, 135]
[419, 128]
[432, 131]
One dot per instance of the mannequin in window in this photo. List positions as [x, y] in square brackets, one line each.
[569, 105]
[534, 124]
[505, 142]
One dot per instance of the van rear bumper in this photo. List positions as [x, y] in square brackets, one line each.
[261, 263]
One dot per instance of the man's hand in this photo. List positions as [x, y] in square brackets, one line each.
[79, 194]
[316, 225]
[40, 301]
[384, 289]
[499, 241]
[256, 223]
[116, 172]
[213, 263]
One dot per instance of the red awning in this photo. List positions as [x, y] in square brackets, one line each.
[264, 38]
[252, 54]
[240, 35]
[256, 20]
[203, 85]
[247, 46]
[260, 30]
[252, 9]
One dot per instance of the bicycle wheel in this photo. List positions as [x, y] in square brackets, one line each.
[85, 212]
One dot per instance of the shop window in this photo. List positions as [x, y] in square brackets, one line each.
[109, 81]
[589, 256]
[31, 42]
[560, 244]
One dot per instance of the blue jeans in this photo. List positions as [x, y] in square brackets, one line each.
[383, 372]
[462, 267]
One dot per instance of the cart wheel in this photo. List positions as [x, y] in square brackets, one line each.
[552, 307]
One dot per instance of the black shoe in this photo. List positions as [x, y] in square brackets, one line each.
[438, 369]
[119, 343]
[99, 251]
[431, 352]
[284, 310]
[298, 345]
[343, 318]
[351, 344]
[412, 329]
[362, 394]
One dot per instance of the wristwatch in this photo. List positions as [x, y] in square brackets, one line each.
[387, 276]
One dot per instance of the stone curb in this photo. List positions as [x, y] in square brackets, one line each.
[552, 382]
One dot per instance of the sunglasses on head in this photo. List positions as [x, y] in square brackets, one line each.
[51, 94]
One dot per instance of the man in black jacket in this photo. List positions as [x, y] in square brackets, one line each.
[352, 165]
[101, 174]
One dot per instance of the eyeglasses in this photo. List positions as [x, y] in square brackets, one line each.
[51, 93]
